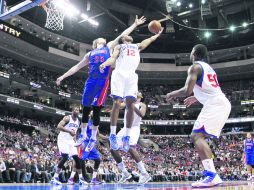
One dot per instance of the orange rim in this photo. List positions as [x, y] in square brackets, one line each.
[43, 5]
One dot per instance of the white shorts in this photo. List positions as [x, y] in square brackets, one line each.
[124, 85]
[213, 116]
[135, 132]
[67, 147]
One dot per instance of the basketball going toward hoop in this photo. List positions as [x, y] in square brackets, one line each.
[154, 26]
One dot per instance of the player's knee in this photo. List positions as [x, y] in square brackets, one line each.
[130, 104]
[96, 115]
[117, 103]
[97, 164]
[63, 160]
[196, 136]
[77, 161]
[131, 150]
[85, 114]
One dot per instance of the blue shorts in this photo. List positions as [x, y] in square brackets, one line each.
[92, 155]
[249, 159]
[95, 92]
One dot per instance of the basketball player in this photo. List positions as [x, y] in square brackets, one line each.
[202, 80]
[124, 83]
[65, 142]
[140, 110]
[248, 151]
[97, 83]
[92, 154]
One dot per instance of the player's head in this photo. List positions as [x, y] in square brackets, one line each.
[126, 39]
[75, 110]
[199, 53]
[99, 42]
[139, 97]
[248, 136]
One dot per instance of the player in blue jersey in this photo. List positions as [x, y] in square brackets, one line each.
[249, 155]
[97, 83]
[92, 155]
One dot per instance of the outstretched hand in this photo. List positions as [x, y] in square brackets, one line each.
[160, 32]
[139, 21]
[102, 67]
[190, 100]
[58, 81]
[169, 97]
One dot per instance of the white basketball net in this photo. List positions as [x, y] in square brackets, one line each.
[55, 16]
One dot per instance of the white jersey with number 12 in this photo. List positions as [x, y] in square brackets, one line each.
[129, 58]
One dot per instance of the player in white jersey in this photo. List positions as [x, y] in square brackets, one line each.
[202, 80]
[124, 83]
[140, 110]
[68, 127]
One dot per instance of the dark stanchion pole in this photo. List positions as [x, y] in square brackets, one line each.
[1, 6]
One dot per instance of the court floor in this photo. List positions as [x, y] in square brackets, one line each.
[239, 185]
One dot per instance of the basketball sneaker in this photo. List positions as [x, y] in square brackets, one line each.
[95, 182]
[126, 143]
[113, 142]
[144, 178]
[125, 177]
[71, 181]
[210, 180]
[82, 182]
[55, 181]
[250, 178]
[80, 140]
[90, 145]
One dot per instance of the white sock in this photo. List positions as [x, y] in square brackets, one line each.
[80, 176]
[56, 175]
[94, 175]
[112, 130]
[122, 167]
[209, 165]
[84, 130]
[128, 132]
[94, 133]
[72, 174]
[141, 167]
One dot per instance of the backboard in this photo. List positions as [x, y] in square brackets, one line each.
[8, 12]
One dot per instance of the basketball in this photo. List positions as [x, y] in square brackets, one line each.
[154, 26]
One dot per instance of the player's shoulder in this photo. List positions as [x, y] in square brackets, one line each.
[66, 118]
[195, 68]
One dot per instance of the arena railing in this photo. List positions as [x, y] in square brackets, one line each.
[40, 107]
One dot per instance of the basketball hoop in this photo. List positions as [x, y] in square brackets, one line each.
[55, 15]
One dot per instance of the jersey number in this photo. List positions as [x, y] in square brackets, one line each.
[213, 80]
[130, 52]
[98, 59]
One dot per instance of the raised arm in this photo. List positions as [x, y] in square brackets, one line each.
[138, 21]
[111, 60]
[74, 69]
[145, 43]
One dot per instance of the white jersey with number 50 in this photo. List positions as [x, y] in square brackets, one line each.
[72, 125]
[128, 59]
[207, 86]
